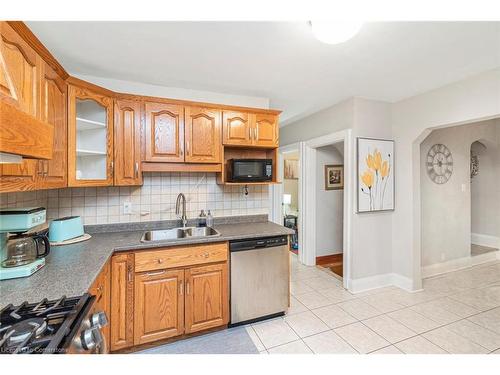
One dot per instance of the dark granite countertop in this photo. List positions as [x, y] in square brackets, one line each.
[71, 269]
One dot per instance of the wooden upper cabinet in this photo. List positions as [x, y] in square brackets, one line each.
[265, 133]
[159, 305]
[127, 143]
[207, 301]
[250, 129]
[203, 135]
[19, 177]
[236, 128]
[164, 132]
[53, 111]
[90, 138]
[19, 75]
[122, 301]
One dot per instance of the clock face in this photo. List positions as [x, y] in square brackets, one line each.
[439, 164]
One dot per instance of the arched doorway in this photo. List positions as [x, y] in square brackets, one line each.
[485, 195]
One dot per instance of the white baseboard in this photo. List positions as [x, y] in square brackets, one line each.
[458, 264]
[379, 281]
[485, 240]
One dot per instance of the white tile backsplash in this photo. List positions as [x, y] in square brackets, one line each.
[155, 200]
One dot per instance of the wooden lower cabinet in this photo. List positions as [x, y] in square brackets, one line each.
[122, 301]
[150, 304]
[206, 297]
[159, 305]
[101, 289]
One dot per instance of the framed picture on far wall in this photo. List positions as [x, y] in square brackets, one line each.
[334, 177]
[291, 169]
[375, 172]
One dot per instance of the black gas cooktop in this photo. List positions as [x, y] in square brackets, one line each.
[44, 327]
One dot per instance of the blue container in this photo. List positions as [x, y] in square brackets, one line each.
[65, 228]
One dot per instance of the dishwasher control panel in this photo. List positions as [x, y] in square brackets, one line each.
[256, 243]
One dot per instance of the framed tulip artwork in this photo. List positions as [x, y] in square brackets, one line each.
[375, 175]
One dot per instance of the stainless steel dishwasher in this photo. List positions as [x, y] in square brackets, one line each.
[260, 278]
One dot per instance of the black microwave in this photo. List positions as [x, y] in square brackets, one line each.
[250, 170]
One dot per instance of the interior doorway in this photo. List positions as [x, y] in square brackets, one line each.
[484, 177]
[330, 207]
[291, 167]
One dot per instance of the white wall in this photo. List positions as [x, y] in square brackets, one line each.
[138, 88]
[446, 208]
[473, 99]
[329, 204]
[371, 233]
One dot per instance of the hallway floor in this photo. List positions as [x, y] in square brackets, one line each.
[456, 313]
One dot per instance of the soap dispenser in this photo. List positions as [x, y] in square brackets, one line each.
[202, 219]
[210, 220]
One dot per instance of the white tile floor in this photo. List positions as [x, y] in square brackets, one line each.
[455, 313]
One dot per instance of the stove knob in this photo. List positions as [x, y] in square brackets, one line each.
[91, 338]
[99, 319]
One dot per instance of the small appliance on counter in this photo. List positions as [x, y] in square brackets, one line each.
[24, 245]
[65, 229]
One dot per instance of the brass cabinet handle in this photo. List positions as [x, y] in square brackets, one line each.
[250, 133]
[159, 260]
[129, 273]
[206, 255]
[136, 169]
[187, 148]
[256, 133]
[187, 288]
[112, 168]
[181, 288]
[39, 171]
[156, 273]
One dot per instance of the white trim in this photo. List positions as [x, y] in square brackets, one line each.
[307, 205]
[485, 240]
[458, 264]
[380, 281]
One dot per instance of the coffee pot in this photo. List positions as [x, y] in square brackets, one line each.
[23, 249]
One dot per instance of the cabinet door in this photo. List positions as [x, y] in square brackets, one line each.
[207, 302]
[19, 87]
[159, 305]
[265, 133]
[19, 74]
[53, 110]
[122, 301]
[19, 177]
[101, 289]
[236, 128]
[164, 132]
[90, 138]
[203, 135]
[127, 144]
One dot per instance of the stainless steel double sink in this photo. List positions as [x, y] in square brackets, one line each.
[179, 234]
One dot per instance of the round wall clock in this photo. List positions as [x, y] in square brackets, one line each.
[439, 164]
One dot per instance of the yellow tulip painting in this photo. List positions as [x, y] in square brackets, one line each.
[374, 175]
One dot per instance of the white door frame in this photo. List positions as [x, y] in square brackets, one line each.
[307, 195]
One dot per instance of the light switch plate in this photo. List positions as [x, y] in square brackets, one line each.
[127, 208]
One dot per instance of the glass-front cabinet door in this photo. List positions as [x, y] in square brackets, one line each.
[90, 138]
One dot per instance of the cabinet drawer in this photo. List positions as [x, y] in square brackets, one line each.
[173, 257]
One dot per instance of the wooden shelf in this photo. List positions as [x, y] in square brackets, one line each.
[252, 183]
[80, 152]
[83, 124]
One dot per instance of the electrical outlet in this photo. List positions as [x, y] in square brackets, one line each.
[127, 208]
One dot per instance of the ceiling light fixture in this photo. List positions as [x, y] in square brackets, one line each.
[335, 32]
